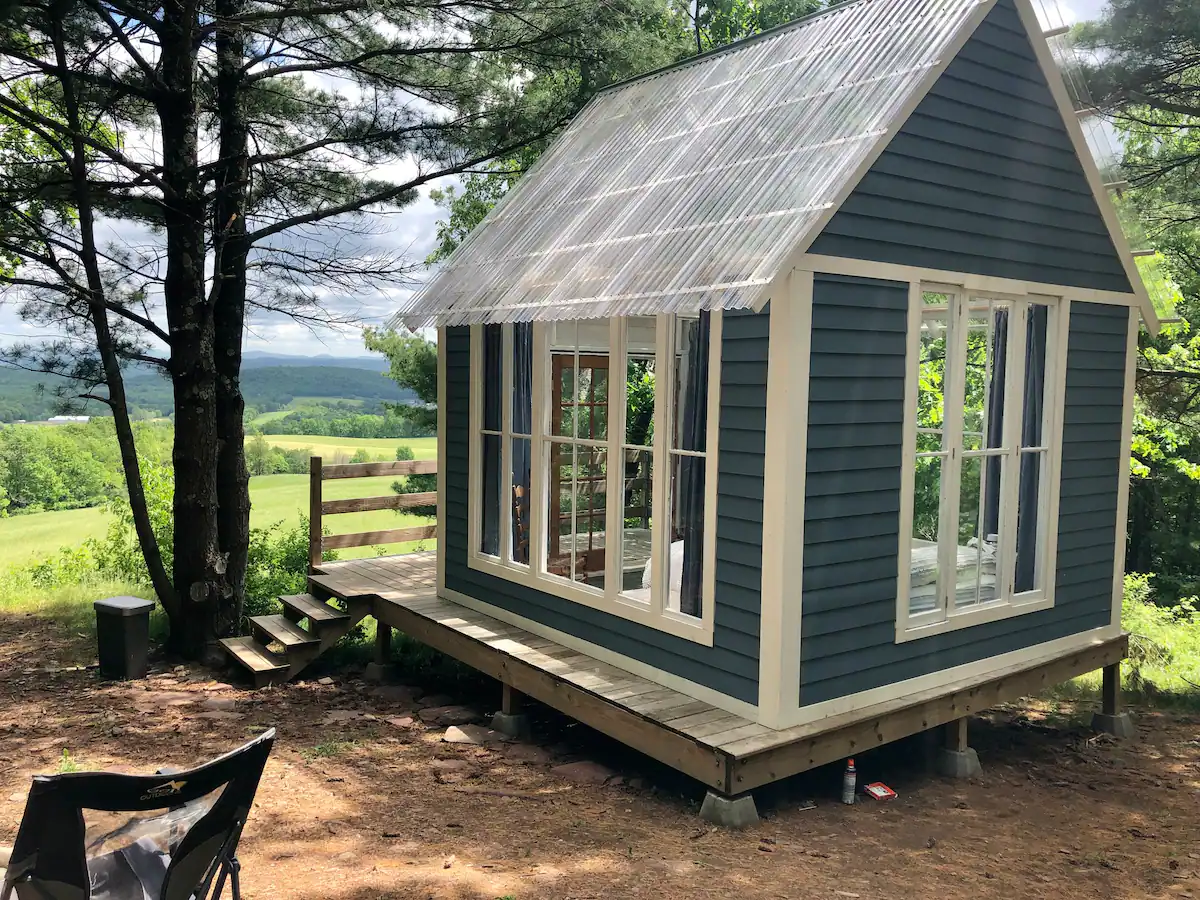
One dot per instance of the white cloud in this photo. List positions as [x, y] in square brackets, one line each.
[410, 232]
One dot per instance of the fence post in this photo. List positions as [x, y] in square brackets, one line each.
[314, 512]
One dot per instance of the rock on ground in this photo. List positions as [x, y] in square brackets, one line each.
[161, 699]
[434, 700]
[529, 753]
[473, 734]
[449, 765]
[398, 694]
[449, 715]
[584, 772]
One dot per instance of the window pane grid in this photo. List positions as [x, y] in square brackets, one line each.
[606, 449]
[980, 454]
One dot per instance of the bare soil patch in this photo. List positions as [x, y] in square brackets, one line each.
[363, 799]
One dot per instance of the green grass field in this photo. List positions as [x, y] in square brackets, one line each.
[23, 538]
[330, 447]
[273, 498]
[304, 404]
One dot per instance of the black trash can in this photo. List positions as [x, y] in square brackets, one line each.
[123, 636]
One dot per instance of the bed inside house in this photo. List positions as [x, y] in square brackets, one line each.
[974, 575]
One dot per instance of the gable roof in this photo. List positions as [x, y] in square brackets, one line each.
[695, 187]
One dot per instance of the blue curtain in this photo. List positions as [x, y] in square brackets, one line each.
[692, 429]
[995, 429]
[522, 421]
[1029, 467]
[492, 421]
[1031, 436]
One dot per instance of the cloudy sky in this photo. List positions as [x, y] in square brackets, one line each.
[411, 231]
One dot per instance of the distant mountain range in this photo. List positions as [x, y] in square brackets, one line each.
[269, 382]
[257, 359]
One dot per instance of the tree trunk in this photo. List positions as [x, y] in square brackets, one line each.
[113, 378]
[200, 567]
[229, 309]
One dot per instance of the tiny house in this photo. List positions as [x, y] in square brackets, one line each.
[797, 379]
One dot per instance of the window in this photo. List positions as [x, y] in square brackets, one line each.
[982, 408]
[505, 438]
[594, 483]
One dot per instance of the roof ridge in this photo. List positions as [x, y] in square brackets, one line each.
[732, 46]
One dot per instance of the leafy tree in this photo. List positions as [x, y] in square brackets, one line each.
[262, 458]
[413, 365]
[271, 126]
[675, 34]
[415, 484]
[726, 21]
[1149, 57]
[1145, 74]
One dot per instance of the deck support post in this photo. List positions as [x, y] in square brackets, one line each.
[511, 720]
[955, 758]
[377, 669]
[1110, 719]
[315, 510]
[729, 811]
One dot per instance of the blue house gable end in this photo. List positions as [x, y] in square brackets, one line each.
[983, 178]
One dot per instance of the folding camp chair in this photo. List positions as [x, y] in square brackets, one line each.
[106, 836]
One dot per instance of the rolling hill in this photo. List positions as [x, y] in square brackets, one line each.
[267, 387]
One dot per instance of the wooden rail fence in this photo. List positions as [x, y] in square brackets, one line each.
[318, 507]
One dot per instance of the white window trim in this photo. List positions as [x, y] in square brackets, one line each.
[939, 621]
[653, 615]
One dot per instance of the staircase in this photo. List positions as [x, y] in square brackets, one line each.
[279, 648]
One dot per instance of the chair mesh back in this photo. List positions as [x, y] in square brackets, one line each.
[107, 836]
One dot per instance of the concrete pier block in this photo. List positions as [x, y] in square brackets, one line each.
[729, 812]
[515, 725]
[957, 763]
[1119, 724]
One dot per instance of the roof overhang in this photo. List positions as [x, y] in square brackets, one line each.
[690, 189]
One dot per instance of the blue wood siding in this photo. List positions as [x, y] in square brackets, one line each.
[731, 664]
[983, 178]
[852, 496]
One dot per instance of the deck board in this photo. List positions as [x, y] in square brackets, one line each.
[408, 582]
[723, 749]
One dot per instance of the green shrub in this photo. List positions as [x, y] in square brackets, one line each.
[277, 559]
[1164, 642]
[415, 484]
[277, 564]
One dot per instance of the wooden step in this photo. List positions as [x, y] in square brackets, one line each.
[289, 634]
[343, 585]
[262, 663]
[309, 607]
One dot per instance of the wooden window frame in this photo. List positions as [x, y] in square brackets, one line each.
[535, 576]
[946, 616]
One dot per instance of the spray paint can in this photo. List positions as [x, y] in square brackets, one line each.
[849, 783]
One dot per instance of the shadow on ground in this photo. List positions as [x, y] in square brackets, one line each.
[363, 799]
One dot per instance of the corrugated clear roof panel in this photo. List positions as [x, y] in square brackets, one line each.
[687, 189]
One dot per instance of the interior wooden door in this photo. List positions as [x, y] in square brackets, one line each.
[588, 401]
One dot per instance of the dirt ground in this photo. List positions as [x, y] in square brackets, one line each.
[362, 799]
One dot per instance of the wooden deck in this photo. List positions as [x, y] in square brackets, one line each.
[725, 751]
